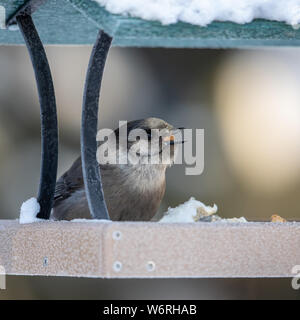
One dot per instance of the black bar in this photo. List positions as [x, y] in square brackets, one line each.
[49, 131]
[115, 309]
[90, 167]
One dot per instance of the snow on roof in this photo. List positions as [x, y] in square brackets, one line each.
[203, 12]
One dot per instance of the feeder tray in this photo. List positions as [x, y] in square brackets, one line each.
[150, 249]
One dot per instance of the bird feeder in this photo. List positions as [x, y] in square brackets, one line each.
[118, 250]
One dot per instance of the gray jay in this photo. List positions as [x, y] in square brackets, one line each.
[133, 190]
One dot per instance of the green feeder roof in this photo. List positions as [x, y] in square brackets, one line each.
[78, 22]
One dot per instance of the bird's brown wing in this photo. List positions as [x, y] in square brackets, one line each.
[69, 182]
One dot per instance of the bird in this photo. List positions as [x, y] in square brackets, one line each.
[133, 190]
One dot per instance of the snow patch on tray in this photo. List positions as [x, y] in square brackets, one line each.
[29, 211]
[188, 212]
[92, 220]
[233, 220]
[193, 211]
[203, 12]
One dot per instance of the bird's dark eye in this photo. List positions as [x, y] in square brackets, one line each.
[148, 131]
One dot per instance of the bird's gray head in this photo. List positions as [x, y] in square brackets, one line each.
[146, 141]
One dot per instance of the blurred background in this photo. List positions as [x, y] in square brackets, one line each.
[248, 103]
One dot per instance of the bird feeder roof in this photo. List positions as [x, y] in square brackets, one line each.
[78, 21]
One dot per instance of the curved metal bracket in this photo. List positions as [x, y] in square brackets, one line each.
[49, 131]
[29, 7]
[90, 167]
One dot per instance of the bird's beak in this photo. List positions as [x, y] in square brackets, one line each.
[169, 139]
[172, 138]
